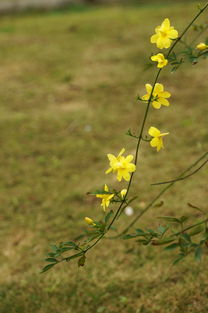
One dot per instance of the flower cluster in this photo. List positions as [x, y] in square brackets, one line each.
[106, 197]
[122, 165]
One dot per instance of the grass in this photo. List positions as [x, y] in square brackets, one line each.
[68, 88]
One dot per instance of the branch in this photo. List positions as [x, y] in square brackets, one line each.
[160, 194]
[182, 178]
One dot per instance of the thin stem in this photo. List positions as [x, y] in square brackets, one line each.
[190, 227]
[187, 28]
[140, 138]
[182, 178]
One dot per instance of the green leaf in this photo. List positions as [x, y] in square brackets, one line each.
[196, 230]
[69, 243]
[51, 254]
[129, 236]
[172, 246]
[183, 219]
[178, 259]
[140, 232]
[47, 267]
[198, 253]
[162, 230]
[54, 248]
[186, 237]
[152, 232]
[51, 260]
[162, 241]
[170, 219]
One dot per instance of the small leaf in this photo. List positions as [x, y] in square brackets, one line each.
[170, 219]
[161, 242]
[162, 230]
[183, 219]
[129, 236]
[47, 267]
[180, 258]
[195, 207]
[152, 232]
[186, 237]
[69, 243]
[51, 260]
[140, 232]
[172, 246]
[196, 230]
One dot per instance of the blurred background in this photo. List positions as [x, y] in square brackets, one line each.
[69, 78]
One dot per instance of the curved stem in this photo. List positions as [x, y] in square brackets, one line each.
[190, 227]
[140, 138]
[160, 194]
[182, 178]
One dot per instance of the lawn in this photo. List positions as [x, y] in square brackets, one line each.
[68, 87]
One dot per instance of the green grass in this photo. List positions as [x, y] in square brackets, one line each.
[68, 88]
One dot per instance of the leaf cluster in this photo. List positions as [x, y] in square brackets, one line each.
[182, 240]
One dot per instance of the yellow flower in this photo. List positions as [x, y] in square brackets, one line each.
[122, 165]
[105, 198]
[162, 61]
[202, 46]
[157, 140]
[164, 35]
[123, 193]
[89, 221]
[159, 95]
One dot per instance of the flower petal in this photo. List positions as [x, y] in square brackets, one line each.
[148, 88]
[158, 88]
[166, 23]
[156, 104]
[106, 187]
[154, 142]
[126, 176]
[164, 101]
[129, 158]
[154, 132]
[121, 152]
[108, 171]
[165, 94]
[173, 34]
[154, 38]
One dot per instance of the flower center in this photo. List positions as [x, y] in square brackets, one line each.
[163, 33]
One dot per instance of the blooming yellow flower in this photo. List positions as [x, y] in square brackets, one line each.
[122, 165]
[89, 221]
[159, 95]
[164, 35]
[105, 198]
[157, 140]
[162, 61]
[202, 46]
[123, 193]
